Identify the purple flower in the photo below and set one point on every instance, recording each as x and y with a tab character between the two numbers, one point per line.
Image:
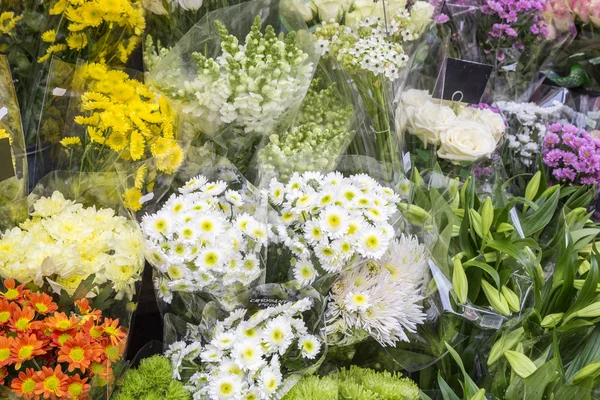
569	158
564	174
555	128
441	19
551	140
552	158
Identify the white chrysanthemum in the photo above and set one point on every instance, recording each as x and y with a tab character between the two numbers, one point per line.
309	346
305	272
248	354
224	340
156	226
313	233
225	387
304	202
372	243
193	184
278	335
335	221
406	260
270	379
211	258
211	354
357	301
214	188
234	198
276	192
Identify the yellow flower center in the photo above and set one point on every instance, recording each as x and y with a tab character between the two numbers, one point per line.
207	226
211	259
11	294
308	346
75	389
41	307
63	325
334	220
372	242
4	316
226	388
359	299
25	352
28	385
51	383
77	354
4	354
22	324
62	339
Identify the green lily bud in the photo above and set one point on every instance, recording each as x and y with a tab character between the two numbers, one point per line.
487	216
463	192
520	363
511	298
476	222
459	281
459	212
591	311
506	342
480	395
455	230
495	298
505	227
414	214
551	320
590	370
533	186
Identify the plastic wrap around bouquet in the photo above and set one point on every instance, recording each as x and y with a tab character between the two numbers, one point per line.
71	272
235	79
208	241
102	119
441	117
258	350
13	167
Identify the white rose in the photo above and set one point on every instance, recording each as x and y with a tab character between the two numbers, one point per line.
415	97
486	117
331	9
421	16
466	141
429	121
391	8
190	5
304	8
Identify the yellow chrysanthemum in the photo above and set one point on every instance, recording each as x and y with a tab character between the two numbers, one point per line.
8	22
91	13
71	141
140	176
137	146
171	163
58	8
162	147
57	48
95	135
111	6
132	198
116	121
77	41
49	36
74	15
117	141
123	92
96	71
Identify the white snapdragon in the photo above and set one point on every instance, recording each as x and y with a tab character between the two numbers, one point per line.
248	364
65	243
204	240
331	218
381	299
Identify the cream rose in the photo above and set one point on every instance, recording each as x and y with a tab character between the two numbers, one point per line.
304	8
466	141
429	121
492	120
421	17
331	9
415	98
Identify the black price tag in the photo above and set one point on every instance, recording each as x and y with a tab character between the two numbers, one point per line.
7	169
465	81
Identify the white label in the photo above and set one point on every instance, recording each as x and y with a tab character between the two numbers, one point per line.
59	91
517	224
146	198
3	112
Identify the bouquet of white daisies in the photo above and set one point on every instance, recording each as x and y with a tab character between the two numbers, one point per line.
207	238
251	353
328	222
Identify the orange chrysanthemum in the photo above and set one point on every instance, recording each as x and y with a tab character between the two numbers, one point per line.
3	374
113	330
102	371
94	331
26	348
77	388
113	352
51	383
6	310
24	385
42	303
61	322
13	293
77	352
85	308
22	320
5	350
58	338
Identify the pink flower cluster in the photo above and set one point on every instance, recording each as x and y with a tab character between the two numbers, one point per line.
518	21
563	14
572	155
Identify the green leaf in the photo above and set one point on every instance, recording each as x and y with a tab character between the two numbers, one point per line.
486	268
537	220
587	294
588	354
447	392
536	383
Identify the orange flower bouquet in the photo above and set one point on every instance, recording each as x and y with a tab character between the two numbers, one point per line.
53	352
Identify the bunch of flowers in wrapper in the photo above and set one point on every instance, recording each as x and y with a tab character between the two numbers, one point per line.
331	220
243	93
45	353
374	54
246	358
205	240
381	299
64	244
458	133
572	155
105	31
125	123
315	142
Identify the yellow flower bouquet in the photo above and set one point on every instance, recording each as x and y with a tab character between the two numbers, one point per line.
105	31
